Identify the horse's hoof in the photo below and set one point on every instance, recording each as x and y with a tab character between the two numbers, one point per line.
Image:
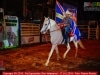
64	56
58	58
75	56
84	48
46	64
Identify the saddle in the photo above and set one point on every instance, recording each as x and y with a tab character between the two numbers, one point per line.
71	33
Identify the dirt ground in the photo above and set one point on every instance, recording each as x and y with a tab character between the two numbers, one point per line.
33	57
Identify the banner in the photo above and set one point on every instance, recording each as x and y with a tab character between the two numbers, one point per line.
62	8
60	11
11	31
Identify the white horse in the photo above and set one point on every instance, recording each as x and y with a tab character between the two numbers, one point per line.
57	38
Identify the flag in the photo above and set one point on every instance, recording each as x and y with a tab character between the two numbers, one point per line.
75	30
74	17
60	11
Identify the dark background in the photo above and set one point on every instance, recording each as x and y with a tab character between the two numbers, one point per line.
15	7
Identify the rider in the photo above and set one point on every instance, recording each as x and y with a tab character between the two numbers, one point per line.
66	29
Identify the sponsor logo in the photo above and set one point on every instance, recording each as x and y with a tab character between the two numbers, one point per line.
91	6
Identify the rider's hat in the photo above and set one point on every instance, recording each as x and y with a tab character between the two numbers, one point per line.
68	12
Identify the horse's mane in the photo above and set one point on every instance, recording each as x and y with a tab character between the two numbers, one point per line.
53	21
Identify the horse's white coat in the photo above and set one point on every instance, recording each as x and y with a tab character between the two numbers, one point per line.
57	38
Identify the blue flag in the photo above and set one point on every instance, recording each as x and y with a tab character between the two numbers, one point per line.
76	31
60	11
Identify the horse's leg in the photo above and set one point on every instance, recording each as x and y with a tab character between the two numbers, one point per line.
57	52
68	48
52	49
81	44
76	46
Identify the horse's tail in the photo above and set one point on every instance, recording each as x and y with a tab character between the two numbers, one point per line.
81	44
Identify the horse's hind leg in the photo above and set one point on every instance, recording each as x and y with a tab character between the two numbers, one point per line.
57	52
52	49
76	46
81	44
68	48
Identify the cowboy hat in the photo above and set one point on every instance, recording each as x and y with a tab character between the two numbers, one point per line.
68	12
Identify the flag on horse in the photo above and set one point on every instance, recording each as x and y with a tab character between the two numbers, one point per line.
60	12
75	30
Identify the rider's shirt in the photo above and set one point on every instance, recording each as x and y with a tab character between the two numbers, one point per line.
67	21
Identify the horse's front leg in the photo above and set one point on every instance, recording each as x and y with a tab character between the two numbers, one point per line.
52	49
68	48
57	52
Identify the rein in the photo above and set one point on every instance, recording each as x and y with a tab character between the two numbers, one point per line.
54	30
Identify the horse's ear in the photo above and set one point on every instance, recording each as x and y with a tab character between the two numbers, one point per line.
48	17
44	17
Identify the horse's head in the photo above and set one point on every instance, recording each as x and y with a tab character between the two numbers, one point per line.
46	25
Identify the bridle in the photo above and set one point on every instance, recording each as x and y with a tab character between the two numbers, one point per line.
50	26
47	25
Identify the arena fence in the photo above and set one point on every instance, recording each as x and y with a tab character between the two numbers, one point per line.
30	32
90	31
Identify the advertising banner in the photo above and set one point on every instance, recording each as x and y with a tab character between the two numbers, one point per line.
11	31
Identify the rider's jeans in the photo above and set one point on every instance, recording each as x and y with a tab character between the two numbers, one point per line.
65	33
